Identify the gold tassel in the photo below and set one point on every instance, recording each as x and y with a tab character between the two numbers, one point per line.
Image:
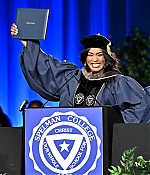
108	48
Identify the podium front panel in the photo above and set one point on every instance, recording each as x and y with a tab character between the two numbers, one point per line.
65	141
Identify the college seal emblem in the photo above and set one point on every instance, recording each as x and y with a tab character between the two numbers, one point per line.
64	144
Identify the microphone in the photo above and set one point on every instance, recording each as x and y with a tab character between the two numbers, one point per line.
76	73
23	105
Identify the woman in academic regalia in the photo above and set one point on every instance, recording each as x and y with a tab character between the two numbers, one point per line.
98	83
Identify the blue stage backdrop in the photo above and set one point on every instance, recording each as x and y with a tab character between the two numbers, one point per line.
69	21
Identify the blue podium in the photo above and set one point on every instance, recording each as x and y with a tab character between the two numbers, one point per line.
68	141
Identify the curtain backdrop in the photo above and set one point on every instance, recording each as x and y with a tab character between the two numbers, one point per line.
69	21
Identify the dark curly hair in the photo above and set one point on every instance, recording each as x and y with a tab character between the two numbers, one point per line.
35	104
111	62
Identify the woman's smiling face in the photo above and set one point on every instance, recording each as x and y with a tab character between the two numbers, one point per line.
95	59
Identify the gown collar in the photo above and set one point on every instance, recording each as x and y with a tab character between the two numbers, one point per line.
99	75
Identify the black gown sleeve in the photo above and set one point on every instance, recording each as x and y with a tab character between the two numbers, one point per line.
44	74
132	99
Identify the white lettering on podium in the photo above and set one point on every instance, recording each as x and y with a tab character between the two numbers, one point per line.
83	125
50	155
63	130
46	125
79	154
83	146
77	158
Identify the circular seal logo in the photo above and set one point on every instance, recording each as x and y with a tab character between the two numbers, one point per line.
90	100
79	98
64	143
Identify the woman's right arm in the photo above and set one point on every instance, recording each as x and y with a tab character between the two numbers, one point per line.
43	72
14	31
